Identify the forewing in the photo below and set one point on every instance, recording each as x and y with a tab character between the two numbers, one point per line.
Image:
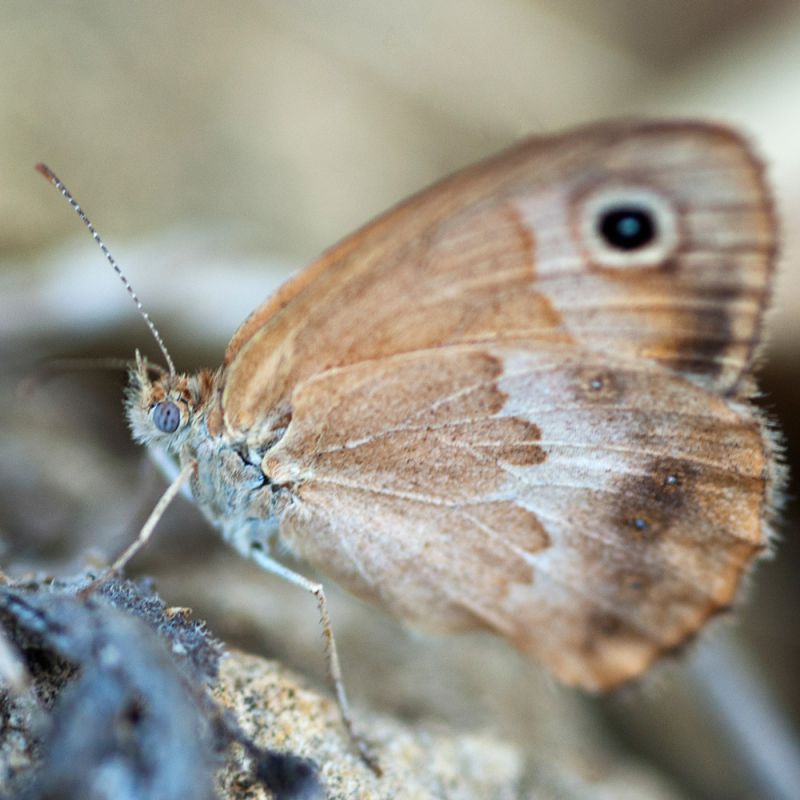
510	249
595	511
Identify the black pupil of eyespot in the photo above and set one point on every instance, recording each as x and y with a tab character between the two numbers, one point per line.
166	417
627	227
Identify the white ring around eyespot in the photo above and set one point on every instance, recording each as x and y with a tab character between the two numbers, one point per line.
599	201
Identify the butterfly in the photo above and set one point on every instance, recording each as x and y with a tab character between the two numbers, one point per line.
518	402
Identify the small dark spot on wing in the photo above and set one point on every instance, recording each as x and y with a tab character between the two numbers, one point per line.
597	386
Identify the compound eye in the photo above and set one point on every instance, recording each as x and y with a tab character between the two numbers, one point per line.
166	416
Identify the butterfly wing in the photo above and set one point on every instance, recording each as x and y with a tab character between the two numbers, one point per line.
594	511
509	248
488	416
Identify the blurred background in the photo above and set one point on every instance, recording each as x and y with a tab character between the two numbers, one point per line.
217	147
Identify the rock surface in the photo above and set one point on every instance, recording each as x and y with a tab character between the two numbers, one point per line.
281	711
115	696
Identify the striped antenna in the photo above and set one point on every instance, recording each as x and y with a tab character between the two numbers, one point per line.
53	178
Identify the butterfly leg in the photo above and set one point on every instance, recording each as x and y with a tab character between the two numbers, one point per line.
145	533
258	554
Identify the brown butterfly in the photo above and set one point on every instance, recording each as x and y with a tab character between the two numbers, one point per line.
517	402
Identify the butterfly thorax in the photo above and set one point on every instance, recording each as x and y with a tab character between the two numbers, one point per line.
178	414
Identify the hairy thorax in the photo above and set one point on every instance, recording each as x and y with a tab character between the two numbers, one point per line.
231	490
177	415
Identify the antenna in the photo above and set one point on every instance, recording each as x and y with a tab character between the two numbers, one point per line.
53	178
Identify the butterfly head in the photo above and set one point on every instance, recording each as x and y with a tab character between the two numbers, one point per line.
163	407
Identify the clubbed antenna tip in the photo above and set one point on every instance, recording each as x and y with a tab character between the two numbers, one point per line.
53	178
43	169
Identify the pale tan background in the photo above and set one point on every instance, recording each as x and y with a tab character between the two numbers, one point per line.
219	145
